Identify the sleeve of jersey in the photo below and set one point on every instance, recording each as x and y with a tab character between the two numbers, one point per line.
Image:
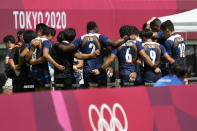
168	45
163	50
115	51
139	46
77	43
161	35
28	46
103	39
46	44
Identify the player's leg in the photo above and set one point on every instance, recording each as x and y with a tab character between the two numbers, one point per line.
89	80
101	80
43	80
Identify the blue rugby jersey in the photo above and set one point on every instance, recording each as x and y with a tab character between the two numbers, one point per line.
127	55
175	47
154	51
87	44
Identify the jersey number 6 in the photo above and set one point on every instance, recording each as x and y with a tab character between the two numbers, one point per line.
128	56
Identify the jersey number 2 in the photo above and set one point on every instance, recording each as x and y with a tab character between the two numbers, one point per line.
93	47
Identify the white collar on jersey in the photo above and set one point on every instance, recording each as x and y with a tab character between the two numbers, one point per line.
172	37
149	43
64	41
90	34
128	43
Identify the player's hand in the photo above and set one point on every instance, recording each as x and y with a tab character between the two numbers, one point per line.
96	53
149	21
61	67
76	69
35	43
157	70
110	71
17	67
132	76
32	61
96	72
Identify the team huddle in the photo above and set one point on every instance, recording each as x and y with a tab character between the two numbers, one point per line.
143	56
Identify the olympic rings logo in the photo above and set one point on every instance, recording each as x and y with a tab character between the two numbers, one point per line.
102	122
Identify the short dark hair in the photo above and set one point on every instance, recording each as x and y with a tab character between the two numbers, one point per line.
70	34
179	69
52	31
91	25
40	27
167	25
125	30
49	31
61	36
8	38
155	22
29	35
134	30
148	34
21	31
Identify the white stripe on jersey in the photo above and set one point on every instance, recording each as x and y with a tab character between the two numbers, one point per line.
128	43
171	38
41	38
148	43
90	34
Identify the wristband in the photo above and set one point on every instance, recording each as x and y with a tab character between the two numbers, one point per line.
126	39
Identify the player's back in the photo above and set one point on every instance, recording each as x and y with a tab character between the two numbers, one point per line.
127	56
90	43
154	51
175	46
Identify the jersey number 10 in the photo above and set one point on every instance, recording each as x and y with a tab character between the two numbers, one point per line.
182	49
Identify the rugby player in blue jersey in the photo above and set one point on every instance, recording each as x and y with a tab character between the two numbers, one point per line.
154	24
40	59
66	77
87	44
175	44
127	55
155	51
39	31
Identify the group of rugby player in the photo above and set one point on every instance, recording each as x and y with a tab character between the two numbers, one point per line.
144	56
